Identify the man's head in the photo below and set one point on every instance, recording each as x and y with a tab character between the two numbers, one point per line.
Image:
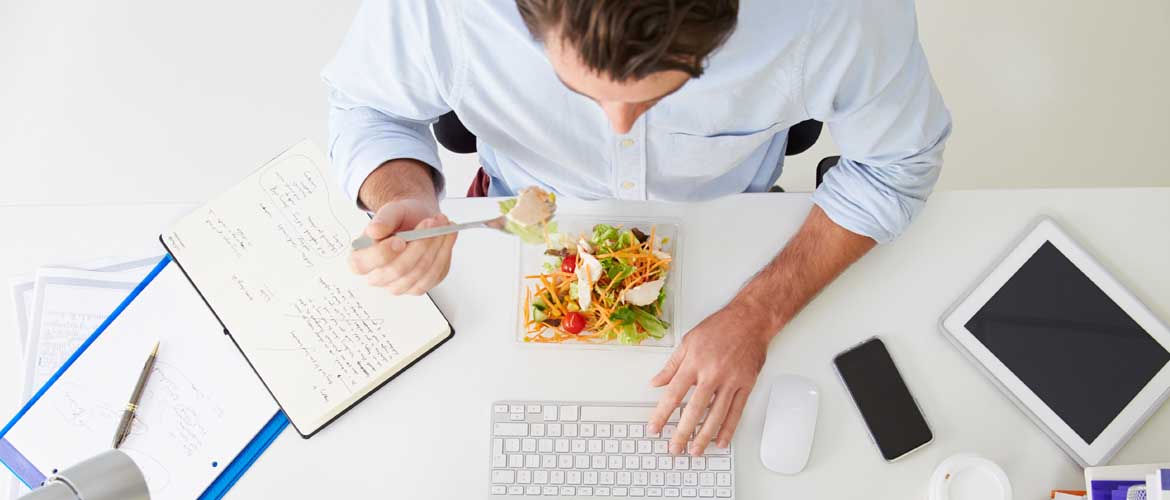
628	54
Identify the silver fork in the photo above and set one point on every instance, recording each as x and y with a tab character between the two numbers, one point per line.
497	223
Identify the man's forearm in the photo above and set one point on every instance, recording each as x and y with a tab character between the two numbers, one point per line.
819	252
396	180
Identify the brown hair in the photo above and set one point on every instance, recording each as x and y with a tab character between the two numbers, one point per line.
629	39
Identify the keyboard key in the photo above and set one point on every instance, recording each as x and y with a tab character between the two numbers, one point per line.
620	492
637	430
623	478
637	492
632	463
515	461
549	491
657	478
598	462
528	445
500	408
590	476
516	408
577	445
671	492
665	463
570	430
601	491
568	491
689	493
537	430
715	450
556	477
615	462
594	446
524	476
553	430
515	490
603	430
531	461
585	491
545	445
628	446
723	479
533	408
574	476
540	477
580	462
516	417
620	430
562	445
512	445
719	463
587	430
510	429
653	491
607	477
548	461
642	478
499	461
707	479
682	463
503	476
611	446
723	492
569	413
690	479
550	413
706	493
661	447
649	463
673	479
668	431
644	447
698	463
500	489
565	461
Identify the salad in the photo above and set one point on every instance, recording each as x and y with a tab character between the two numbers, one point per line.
600	287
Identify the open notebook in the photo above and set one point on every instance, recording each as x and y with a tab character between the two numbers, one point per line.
270	259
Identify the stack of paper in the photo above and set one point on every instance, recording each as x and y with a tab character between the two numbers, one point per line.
57	306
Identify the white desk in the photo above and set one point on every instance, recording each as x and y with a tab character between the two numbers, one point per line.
425	435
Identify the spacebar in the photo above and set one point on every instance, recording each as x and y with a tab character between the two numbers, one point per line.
639	414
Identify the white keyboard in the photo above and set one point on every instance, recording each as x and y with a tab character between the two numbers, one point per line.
543	449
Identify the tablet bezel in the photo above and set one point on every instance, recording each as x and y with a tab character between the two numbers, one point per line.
1139	408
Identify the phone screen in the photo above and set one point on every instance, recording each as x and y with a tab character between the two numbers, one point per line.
893	417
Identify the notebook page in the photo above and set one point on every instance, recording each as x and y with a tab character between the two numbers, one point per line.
270	256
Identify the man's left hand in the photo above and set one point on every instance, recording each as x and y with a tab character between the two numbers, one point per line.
721	358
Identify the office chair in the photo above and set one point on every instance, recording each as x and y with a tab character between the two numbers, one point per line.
455	137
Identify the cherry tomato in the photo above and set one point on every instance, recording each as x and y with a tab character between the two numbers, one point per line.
569	264
573	322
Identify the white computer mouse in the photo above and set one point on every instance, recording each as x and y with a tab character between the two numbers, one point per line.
789	424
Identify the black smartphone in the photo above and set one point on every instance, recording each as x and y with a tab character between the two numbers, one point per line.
891	413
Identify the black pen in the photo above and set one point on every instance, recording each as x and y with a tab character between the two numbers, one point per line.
132	406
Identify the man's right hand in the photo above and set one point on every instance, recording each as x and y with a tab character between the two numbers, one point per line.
398	266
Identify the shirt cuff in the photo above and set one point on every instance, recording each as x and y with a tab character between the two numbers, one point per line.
857	200
371	155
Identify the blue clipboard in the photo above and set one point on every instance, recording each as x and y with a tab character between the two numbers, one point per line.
28	474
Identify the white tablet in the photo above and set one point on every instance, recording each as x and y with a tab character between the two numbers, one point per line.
1068	343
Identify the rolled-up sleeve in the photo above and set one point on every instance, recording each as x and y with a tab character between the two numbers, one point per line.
394	75
867	78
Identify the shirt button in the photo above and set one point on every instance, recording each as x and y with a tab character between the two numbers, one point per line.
627	143
628	185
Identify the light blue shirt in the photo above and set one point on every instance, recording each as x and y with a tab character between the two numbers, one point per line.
856	65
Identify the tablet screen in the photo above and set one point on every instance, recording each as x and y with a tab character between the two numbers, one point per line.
1065	339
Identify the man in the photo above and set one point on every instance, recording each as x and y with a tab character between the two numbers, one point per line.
644	99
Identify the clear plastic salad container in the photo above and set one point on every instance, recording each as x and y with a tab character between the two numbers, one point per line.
533	262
